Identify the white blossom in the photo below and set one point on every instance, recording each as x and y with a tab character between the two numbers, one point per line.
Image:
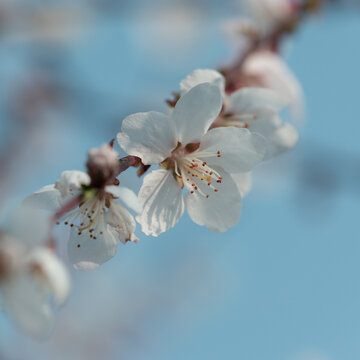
97	224
254	108
269	70
266	15
191	157
30	272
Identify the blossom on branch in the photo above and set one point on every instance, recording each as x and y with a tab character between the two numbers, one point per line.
267	69
265	16
30	272
191	158
97	221
253	108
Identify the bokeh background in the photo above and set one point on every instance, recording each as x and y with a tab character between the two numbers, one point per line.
281	285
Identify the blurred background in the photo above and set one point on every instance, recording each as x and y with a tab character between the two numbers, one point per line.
281	285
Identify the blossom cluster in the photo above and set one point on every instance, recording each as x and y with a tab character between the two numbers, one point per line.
199	156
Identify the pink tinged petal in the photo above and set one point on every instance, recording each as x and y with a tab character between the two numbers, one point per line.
121	222
126	196
26	302
87	253
150	136
251	101
51	273
162	202
243	182
47	198
220	210
29	227
239	149
196	111
280	136
201	76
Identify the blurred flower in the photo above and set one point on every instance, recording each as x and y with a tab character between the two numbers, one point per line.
29	272
264	16
267	69
97	224
253	108
190	157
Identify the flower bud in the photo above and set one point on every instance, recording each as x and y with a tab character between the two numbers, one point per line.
102	165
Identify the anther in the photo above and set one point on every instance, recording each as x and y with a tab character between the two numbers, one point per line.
216	190
65	222
78	245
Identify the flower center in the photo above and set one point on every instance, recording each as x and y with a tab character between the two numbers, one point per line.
88	218
192	171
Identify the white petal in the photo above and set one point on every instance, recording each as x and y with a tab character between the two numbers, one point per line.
201	76
25	301
162	202
47	198
29	226
275	74
218	212
240	149
195	112
280	136
243	182
252	100
70	181
127	196
150	136
122	222
53	273
92	252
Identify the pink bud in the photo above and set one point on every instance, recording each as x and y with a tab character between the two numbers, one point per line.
102	165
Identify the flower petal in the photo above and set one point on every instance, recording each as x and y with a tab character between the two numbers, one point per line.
252	100
94	251
122	222
240	149
243	182
29	226
201	76
47	198
162	202
70	181
150	136
52	274
127	196
195	112
276	75
25	301
280	136
221	210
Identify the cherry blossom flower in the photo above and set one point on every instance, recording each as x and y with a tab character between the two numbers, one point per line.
264	16
97	224
30	272
266	69
253	108
190	157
